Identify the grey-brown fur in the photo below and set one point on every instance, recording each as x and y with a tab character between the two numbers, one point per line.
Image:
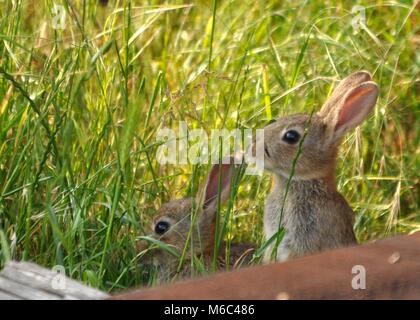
201	244
315	217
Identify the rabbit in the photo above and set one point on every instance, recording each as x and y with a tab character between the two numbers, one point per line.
315	216
172	225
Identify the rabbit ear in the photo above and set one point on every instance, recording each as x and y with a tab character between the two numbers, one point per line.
343	87
353	109
211	192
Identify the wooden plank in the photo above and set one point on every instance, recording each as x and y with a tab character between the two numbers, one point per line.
25	292
7	296
392	272
36	277
35	281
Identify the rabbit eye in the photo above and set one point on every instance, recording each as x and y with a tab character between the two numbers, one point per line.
161	227
291	136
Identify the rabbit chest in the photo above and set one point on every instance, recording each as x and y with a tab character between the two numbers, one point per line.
313	217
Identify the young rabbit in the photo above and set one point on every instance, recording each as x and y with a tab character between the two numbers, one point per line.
172	225
315	216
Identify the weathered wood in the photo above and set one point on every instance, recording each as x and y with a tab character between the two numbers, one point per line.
392	272
25	292
7	296
28	281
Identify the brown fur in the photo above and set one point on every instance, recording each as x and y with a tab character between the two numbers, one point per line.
201	244
315	216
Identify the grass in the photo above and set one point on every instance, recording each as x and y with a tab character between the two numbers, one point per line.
80	108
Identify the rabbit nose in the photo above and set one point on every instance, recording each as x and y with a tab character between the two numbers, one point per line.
142	245
266	151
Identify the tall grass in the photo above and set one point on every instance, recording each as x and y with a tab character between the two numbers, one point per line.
80	108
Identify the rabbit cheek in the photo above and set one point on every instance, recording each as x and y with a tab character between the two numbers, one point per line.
161	258
284	156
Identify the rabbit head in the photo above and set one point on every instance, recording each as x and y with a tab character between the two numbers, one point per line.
348	106
175	219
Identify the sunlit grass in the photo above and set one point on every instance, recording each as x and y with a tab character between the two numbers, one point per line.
80	108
